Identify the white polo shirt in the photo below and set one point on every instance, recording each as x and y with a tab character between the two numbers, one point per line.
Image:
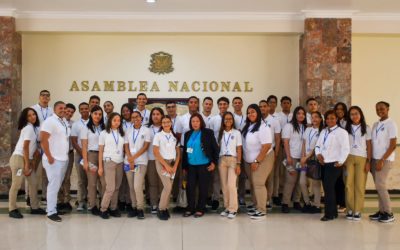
93	138
153	131
284	118
113	144
145	115
229	142
382	133
215	124
295	139
175	122
59	137
167	143
183	125
240	121
126	125
253	142
274	125
334	146
43	113
136	139
207	119
358	142
31	134
77	128
310	138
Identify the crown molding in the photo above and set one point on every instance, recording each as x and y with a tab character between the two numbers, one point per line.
7	12
329	13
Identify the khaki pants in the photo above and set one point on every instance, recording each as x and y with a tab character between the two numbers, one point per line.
258	179
228	177
167	183
356	179
17	163
113	176
136	185
380	179
316	189
82	179
154	182
64	193
123	195
42	176
93	178
291	181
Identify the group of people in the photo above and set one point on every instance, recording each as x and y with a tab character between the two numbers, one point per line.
125	160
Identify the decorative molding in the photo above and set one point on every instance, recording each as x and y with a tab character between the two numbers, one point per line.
329	13
7	12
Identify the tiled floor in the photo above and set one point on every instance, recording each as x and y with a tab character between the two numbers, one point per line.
293	231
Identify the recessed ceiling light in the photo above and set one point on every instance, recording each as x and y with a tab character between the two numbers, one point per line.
151	1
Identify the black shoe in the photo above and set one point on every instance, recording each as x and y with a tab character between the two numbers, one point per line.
15	214
55	218
104	215
178	209
162	215
277	201
375	216
315	210
38	211
61	212
297	206
209	202
167	211
306	209
95	211
386	218
28	201
67	207
326	218
132	212
115	213
121	206
214	205
285	209
140	214
60	206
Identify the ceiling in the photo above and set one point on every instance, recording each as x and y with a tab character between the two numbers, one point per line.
367	6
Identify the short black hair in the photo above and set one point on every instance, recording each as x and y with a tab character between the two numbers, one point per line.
170	102
81	104
310	99
44	91
286	98
237	98
94	97
223	99
109	102
70	106
263	100
384	103
272	97
208	98
193	97
58	103
143	94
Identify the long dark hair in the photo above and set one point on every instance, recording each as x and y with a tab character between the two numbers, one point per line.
294	121
202	123
151	115
344	106
109	121
362	121
321	124
129	107
172	127
23	118
258	121
90	123
222	128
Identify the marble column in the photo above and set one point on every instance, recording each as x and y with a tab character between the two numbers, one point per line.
10	96
325	61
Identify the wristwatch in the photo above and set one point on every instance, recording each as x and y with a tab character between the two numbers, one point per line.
256	161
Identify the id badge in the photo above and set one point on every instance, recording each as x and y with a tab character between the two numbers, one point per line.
107	159
19	172
127	167
189	150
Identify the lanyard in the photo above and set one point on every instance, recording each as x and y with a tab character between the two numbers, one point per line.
301	131
168	137
36	133
83	122
310	137
227	141
192	140
41	111
135	137
64	125
379	129
154	132
353	132
116	139
327	134
125	124
97	130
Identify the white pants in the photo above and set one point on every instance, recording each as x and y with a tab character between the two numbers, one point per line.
55	173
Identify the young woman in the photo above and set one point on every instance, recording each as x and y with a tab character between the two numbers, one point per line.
153	180
341	112
357	163
126	112
137	141
111	158
22	165
332	150
167	152
292	136
259	159
90	152
384	139
230	141
200	156
310	138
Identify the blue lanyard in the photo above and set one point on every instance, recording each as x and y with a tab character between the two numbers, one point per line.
168	137
97	130
327	134
227	141
135	137
301	131
241	121
41	111
116	139
192	140
64	125
379	129
311	137
353	132
154	132
83	123
126	124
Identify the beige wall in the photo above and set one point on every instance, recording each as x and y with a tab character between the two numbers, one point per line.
53	60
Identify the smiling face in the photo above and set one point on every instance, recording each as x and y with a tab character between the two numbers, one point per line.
93	102
171	109
31	117
237	105
312	106
228	121
136	119
108	107
331	120
196	124
286	105
115	122
300	116
166	124
252	115
68	113
272	103
44	99
156	117
355	116
84	111
223	107
316	120
340	111
382	110
207	106
96	116
126	113
59	110
141	101
264	109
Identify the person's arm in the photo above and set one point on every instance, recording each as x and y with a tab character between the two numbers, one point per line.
44	143
178	158
27	168
215	150
142	150
85	154
277	144
317	149
369	156
344	149
75	145
389	151
238	161
157	155
101	168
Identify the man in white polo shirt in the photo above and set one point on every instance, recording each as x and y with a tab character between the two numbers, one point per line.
141	101
54	136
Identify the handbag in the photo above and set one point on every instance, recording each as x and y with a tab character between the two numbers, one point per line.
313	170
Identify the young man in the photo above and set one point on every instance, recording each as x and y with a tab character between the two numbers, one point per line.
208	104
141	101
54	136
285	116
275	127
312	106
108	109
64	196
272	101
76	143
94	100
170	106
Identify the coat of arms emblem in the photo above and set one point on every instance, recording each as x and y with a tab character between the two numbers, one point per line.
161	63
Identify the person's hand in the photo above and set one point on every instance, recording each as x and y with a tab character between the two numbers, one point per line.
100	171
36	155
50	159
27	170
379	165
303	161
321	159
237	170
338	165
85	166
367	167
131	160
211	167
254	166
289	161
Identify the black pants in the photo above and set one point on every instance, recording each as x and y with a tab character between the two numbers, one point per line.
340	191
197	176
330	175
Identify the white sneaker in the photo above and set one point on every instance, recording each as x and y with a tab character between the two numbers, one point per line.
258	215
81	206
232	215
154	210
224	213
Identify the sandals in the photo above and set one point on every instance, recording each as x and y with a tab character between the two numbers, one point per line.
198	214
188	214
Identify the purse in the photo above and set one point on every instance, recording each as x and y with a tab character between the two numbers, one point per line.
314	170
